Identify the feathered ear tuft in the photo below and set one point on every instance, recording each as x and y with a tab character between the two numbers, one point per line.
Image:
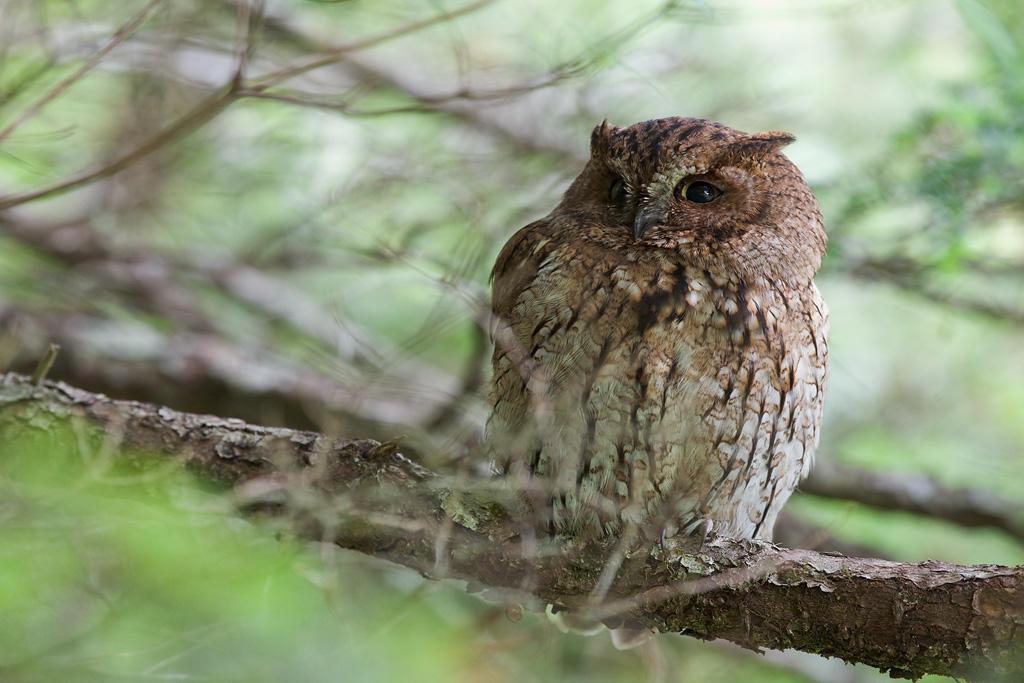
760	144
600	138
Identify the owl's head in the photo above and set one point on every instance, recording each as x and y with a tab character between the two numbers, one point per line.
704	190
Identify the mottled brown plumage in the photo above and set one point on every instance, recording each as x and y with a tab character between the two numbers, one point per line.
660	346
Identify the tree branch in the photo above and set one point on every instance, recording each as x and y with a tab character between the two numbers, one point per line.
202	112
913	276
56	91
212	372
919	494
908	619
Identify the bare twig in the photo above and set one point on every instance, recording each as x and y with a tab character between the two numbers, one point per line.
193	119
332	55
121	35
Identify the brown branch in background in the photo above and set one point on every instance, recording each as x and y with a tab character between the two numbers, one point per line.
121	35
338	104
154	278
209	373
916	493
912	276
907	619
145	274
247	21
521	138
479	119
332	54
202	112
793	532
424	103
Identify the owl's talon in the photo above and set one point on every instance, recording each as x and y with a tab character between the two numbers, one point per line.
703	530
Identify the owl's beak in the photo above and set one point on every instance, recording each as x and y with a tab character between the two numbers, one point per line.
645	220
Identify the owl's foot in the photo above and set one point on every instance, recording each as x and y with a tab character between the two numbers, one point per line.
690	539
702	531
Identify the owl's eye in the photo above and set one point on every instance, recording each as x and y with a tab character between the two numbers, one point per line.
699	192
617	191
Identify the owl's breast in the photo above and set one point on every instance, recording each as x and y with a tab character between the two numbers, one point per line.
647	386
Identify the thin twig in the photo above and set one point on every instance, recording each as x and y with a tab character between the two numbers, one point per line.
332	55
193	119
119	37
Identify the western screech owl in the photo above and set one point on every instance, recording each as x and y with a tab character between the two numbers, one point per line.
660	352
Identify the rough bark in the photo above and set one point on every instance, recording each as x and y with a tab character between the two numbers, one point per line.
907	619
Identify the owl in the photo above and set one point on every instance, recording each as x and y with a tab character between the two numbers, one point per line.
660	353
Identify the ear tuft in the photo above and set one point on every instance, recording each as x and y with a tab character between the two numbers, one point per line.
778	138
600	138
760	144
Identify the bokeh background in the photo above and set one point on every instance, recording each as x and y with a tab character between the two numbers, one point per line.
287	211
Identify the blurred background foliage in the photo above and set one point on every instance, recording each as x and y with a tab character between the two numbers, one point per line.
305	241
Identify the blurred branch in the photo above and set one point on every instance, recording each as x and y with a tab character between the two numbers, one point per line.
907	619
146	274
331	55
56	91
202	112
918	494
793	532
240	87
472	380
207	372
911	276
492	124
155	278
520	137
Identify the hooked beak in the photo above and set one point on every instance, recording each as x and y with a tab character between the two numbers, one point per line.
645	220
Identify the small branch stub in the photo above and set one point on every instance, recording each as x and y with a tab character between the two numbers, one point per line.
45	363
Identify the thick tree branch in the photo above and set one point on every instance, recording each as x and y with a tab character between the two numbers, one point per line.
908	619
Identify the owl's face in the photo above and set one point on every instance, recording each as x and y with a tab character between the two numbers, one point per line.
695	186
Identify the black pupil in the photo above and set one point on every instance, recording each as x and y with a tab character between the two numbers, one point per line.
701	192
